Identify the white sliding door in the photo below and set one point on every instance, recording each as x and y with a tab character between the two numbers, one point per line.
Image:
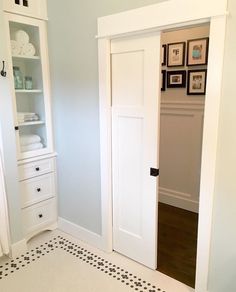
135	138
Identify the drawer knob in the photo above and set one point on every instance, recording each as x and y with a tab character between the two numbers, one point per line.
40	215
38	190
37	168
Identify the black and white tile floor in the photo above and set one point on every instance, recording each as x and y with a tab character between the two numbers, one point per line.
128	279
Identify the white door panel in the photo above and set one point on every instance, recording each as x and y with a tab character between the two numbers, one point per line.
135	132
128	91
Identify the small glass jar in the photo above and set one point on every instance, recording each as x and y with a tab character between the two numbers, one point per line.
18	78
28	83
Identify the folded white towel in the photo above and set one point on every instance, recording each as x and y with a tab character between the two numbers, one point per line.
31	119
21	37
31	147
28	50
29	139
19	114
27	117
15	48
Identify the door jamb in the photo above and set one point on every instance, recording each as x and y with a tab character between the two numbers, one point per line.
209	145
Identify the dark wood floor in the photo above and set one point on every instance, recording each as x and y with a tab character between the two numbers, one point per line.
177	243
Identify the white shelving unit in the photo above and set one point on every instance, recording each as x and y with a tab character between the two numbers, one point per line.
32	114
37	99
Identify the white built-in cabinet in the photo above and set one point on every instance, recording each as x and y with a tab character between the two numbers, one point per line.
28	68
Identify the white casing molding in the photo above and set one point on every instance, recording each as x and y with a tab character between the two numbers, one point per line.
81	233
209	148
104	50
18	248
159	17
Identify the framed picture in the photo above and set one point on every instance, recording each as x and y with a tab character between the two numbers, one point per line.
163	80
163	55
176	54
176	79
197	52
197	82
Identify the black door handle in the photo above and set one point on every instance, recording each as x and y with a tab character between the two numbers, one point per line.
3	72
154	172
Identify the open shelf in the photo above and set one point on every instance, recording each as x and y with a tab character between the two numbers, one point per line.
31	123
26	57
30	67
28	91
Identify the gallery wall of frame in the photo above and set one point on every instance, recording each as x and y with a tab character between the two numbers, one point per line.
184	60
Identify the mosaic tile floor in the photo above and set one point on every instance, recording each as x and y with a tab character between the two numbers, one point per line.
57	262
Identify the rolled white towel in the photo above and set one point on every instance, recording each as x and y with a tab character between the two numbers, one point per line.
31	147
22	37
28	50
15	48
29	139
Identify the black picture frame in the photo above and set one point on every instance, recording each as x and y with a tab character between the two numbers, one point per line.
163	80
197	52
197	85
176	79
176	54
163	55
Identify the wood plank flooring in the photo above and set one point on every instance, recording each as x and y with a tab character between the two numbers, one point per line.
177	243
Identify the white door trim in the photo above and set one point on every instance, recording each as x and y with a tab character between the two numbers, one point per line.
158	17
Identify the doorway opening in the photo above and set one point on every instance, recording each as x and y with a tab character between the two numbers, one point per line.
184	75
149	20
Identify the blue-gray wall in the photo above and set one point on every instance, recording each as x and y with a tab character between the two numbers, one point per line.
74	76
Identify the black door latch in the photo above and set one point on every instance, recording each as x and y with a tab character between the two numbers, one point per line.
154	172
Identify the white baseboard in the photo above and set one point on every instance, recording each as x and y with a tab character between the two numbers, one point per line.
81	233
18	248
184	202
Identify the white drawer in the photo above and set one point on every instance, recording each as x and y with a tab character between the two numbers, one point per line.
38	216
36	168
37	189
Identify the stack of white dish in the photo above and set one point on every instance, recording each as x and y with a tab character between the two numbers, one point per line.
27	117
21	45
30	143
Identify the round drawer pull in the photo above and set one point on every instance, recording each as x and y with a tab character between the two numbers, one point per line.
37	168
38	190
40	215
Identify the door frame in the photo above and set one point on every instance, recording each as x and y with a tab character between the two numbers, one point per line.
159	17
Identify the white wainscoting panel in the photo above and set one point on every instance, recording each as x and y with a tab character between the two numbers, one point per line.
180	153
